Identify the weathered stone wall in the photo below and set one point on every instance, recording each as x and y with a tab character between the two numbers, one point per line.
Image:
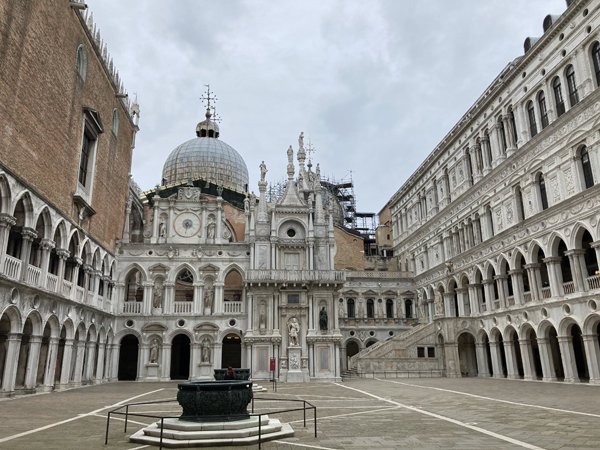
350	251
41	116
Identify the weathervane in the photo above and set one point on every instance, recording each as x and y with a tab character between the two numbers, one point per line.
310	150
208	97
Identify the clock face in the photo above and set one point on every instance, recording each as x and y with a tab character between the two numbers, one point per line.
187	224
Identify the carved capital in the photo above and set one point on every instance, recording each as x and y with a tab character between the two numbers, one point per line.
29	234
47	244
6	220
63	253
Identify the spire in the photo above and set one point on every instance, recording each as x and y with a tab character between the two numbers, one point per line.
208	127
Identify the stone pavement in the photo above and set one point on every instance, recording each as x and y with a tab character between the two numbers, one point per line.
427	413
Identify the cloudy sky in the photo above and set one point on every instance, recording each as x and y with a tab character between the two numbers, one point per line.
375	84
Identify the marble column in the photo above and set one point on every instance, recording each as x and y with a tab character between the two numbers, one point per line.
511	360
35	343
527	359
548	370
568	359
555	276
517	285
575	260
482	360
6	222
13	343
65	370
50	366
592	354
496	360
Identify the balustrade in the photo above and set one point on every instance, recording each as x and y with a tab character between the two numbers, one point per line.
51	282
67	287
79	294
593	282
183	307
33	275
546	292
569	288
527	296
296	275
12	267
233	307
511	300
132	307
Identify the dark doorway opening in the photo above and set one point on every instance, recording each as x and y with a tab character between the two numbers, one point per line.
128	358
180	357
232	351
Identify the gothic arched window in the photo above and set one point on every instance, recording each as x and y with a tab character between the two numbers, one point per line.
588	176
558	97
543	109
596	60
543	194
572	85
531	114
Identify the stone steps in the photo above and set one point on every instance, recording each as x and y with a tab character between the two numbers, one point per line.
180	434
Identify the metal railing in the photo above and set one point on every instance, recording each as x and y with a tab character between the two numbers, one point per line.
118	412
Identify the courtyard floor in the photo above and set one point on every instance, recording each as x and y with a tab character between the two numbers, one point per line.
426	413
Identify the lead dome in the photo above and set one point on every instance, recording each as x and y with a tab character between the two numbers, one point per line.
208	158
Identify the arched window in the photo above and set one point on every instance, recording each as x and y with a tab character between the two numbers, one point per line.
513	123
81	62
596	60
488	147
531	114
558	97
572	85
520	206
351	310
543	194
389	308
370	309
115	122
469	174
587	168
543	109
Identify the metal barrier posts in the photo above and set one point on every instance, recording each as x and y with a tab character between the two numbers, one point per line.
162	422
107	425
126	417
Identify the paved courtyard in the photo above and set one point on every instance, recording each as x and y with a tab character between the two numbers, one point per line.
358	414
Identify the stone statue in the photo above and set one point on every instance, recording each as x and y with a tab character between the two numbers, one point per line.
247	205
300	140
157	301
294	363
439	304
263	171
154	351
323	319
294	329
205	356
208	298
263	319
421	310
162	229
341	310
290	154
211	230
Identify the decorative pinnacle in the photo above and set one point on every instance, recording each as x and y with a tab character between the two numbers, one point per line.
208	97
310	150
215	116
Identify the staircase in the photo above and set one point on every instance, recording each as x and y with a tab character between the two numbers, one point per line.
398	353
349	374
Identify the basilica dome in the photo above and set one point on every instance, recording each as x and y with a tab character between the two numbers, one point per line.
208	158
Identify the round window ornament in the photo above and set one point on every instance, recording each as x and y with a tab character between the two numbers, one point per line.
371	333
129	323
495	321
544	313
391	333
592	305
14	296
566	310
232	322
508	318
525	316
291	232
181	323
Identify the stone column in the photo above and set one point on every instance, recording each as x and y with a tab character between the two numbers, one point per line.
534	280
87	271
510	138
575	260
511	360
100	366
147	287
96	276
592	351
114	362
555	276
219	224
218	306
476	165
29	235
568	359
46	245
198	298
35	342
50	367
517	284
488	288
546	359
218	354
77	371
78	262
448	245
482	360
496	360
495	145
91	359
473	298
527	359
13	343
195	349
65	370
462	295
6	222
485	150
502	289
168	297
449	304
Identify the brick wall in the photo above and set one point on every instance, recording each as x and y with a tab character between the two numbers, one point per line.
350	251
41	116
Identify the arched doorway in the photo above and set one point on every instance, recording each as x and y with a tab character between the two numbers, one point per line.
467	355
488	352
24	355
128	358
579	353
43	358
232	351
556	355
535	354
180	357
351	349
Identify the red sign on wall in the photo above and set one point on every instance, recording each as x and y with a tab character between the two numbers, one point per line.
272	368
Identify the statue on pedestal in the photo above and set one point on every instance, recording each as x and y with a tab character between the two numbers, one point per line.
205	354
294	329
208	298
323	319
157	301
211	230
263	171
162	230
154	351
